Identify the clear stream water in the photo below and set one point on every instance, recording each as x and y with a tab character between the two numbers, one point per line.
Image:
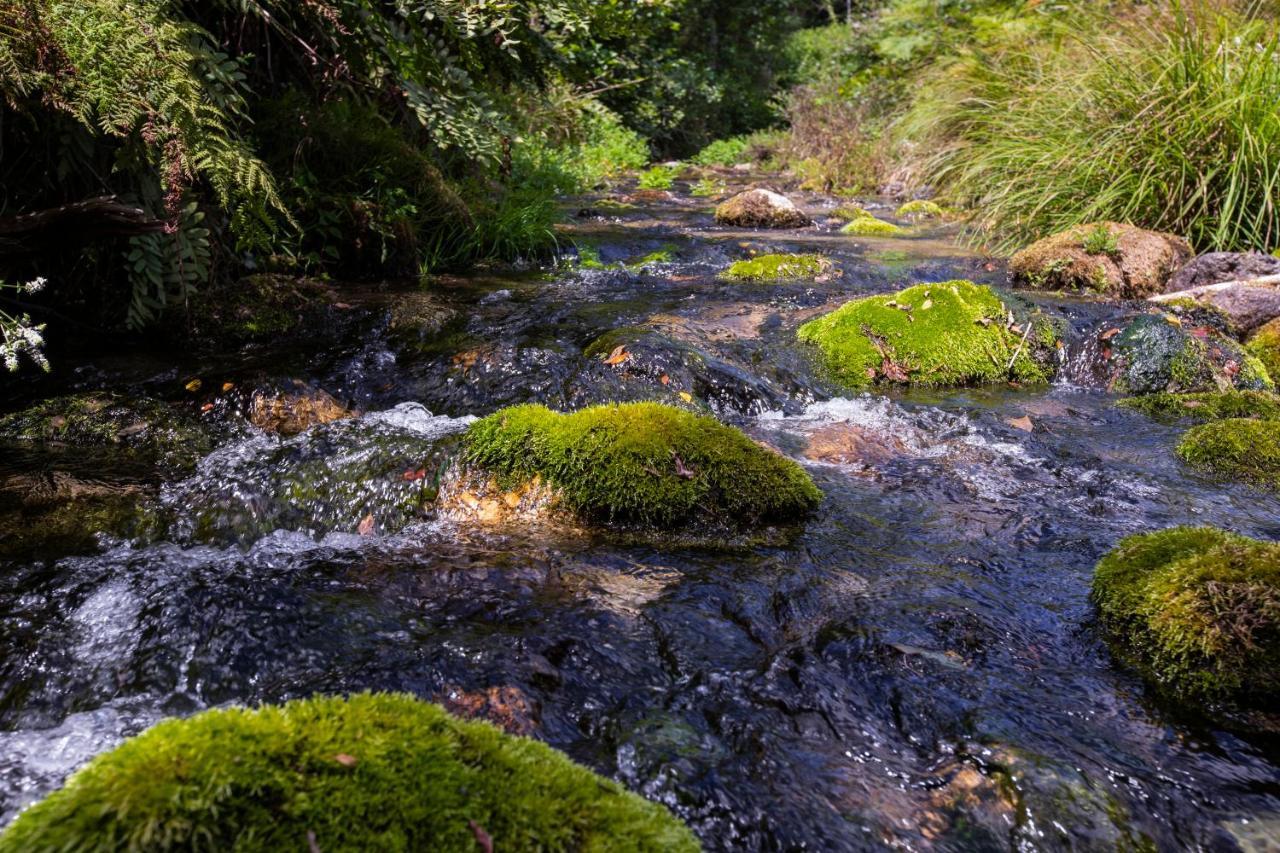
917	667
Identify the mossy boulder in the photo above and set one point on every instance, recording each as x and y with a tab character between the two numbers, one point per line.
761	208
372	772
1197	612
1157	353
869	226
952	333
1210	406
259	309
777	268
920	209
53	514
643	462
1241	449
1104	257
848	213
150	430
1264	345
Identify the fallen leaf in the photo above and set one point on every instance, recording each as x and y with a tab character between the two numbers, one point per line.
926	305
411	475
1108	334
343	305
1202	332
483	838
619	355
1023	423
686	396
346	760
893	371
983	321
193	386
665	379
683	471
1231	368
366	525
207	407
872	373
228	386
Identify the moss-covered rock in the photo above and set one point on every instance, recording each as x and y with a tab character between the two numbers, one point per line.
920	209
1197	612
643	462
1264	345
151	430
848	213
777	268
761	208
952	333
1103	257
1155	353
372	772
53	515
869	226
1237	449
264	308
1211	406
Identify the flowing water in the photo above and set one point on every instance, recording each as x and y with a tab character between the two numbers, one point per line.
916	667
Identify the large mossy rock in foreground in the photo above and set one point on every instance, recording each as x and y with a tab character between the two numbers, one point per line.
1104	257
952	333
1197	612
1236	449
761	209
643	462
373	772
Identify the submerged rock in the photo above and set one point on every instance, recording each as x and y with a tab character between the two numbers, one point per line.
951	333
373	771
643	462
55	514
760	208
1237	449
294	408
1153	354
1216	267
1105	257
153	431
259	309
1197	612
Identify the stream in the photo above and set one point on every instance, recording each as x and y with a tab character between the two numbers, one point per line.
917	667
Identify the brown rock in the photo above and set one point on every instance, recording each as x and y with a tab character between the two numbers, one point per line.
1135	264
293	410
509	708
1248	305
761	208
1216	267
849	444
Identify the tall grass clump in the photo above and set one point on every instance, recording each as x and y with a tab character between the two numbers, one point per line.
1162	117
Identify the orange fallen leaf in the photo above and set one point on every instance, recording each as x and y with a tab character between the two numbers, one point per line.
1023	423
1109	334
228	386
366	525
411	475
207	407
619	355
193	386
665	379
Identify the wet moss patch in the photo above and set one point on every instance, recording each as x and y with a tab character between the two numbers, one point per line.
952	333
643	462
1211	406
869	226
1197	612
1236	449
1264	345
920	209
777	268
372	772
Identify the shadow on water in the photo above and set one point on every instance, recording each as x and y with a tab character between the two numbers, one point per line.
916	668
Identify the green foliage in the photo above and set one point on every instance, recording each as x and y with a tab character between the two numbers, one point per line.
869	226
643	462
1100	240
1236	449
658	178
1210	406
375	771
952	333
777	268
1039	134
725	152
1196	610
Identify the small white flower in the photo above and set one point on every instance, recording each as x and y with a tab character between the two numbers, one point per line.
10	360
36	285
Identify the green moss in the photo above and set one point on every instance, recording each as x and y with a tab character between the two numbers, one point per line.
1210	406
658	178
952	333
1237	449
920	209
643	462
1101	241
71	523
589	259
1160	353
777	267
869	226
372	772
1264	345
664	255
150	429
850	213
1196	611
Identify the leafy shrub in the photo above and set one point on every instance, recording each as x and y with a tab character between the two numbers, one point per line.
724	152
1166	121
658	178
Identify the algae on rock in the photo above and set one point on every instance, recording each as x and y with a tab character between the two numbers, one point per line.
643	462
1197	612
951	333
1154	354
373	771
777	268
